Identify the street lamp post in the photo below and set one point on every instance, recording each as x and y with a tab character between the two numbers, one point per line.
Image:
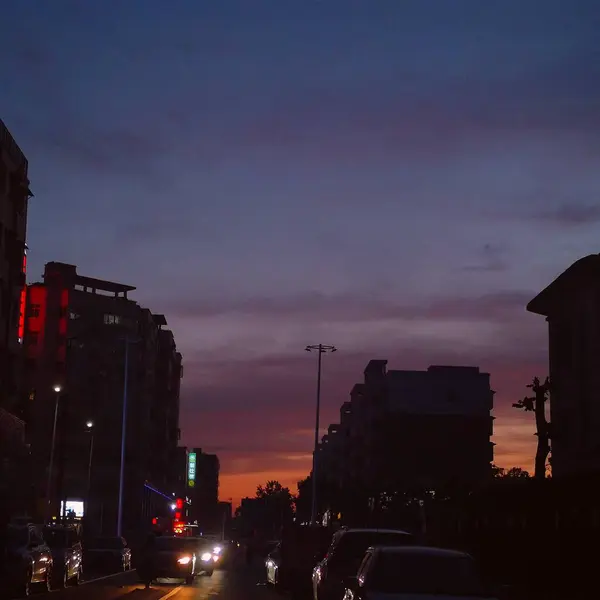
320	349
90	428
128	340
57	389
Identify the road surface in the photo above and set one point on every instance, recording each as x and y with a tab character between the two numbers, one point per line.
237	583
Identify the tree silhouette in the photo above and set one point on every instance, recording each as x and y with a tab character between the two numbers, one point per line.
497	471
273	488
537	405
277	503
516	473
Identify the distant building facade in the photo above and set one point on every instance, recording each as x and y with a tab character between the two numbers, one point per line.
419	429
80	334
226	518
571	305
14	198
202	488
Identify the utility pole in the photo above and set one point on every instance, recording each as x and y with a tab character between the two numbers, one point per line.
128	340
320	349
57	390
90	427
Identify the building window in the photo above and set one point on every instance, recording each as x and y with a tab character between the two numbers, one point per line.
112	319
34	310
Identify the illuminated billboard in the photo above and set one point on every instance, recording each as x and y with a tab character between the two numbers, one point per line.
76	506
191	471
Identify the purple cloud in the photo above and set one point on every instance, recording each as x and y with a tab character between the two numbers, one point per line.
569	215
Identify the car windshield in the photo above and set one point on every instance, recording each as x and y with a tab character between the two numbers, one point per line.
108	544
405	573
56	538
353	545
17	537
176	544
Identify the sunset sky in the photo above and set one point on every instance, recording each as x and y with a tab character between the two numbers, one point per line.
396	178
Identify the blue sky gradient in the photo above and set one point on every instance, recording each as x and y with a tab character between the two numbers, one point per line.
397	178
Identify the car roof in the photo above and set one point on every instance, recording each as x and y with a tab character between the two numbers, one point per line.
420	551
361	530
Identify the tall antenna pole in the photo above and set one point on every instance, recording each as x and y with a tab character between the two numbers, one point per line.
320	349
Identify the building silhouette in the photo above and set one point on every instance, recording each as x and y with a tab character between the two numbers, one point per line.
571	305
411	430
14	454
80	333
14	197
199	482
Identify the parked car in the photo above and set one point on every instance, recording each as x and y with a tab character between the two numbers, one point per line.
67	554
416	573
345	555
108	553
25	560
289	566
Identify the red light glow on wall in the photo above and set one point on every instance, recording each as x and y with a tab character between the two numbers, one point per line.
36	321
23	300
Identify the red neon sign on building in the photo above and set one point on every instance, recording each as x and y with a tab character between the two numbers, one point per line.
23	299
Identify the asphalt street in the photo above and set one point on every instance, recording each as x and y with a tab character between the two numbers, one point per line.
237	583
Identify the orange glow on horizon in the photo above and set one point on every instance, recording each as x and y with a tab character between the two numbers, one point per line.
514	436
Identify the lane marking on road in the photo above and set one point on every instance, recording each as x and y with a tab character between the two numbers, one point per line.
171	593
85	582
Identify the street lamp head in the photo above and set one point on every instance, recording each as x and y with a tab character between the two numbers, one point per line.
308	348
334	349
89	424
57	388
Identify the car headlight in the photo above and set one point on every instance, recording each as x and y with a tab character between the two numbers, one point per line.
217	549
206	556
184	560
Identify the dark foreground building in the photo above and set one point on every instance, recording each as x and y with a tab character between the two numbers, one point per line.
91	350
571	305
15	483
14	197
